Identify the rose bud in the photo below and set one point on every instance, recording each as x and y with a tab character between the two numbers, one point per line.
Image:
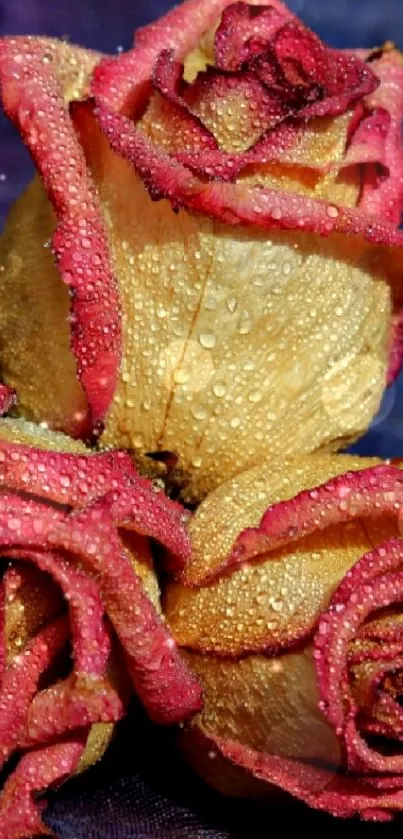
289	612
75	530
261	295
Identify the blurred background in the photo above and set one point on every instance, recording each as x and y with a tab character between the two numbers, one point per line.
132	791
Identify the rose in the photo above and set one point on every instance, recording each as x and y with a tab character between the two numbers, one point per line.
264	305
74	526
292	621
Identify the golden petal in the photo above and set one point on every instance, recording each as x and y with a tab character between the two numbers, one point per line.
28	433
140	555
277	599
221	376
266	701
33	600
268	704
36	358
99	738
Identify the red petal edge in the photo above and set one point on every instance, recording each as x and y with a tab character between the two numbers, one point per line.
383	196
61	512
33	101
36	772
122	84
20	683
376	491
375	582
75	480
236	203
396	347
162	680
321	789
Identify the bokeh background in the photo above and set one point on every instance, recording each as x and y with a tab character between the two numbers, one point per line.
142	790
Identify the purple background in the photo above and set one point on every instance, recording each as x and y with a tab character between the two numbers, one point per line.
142	790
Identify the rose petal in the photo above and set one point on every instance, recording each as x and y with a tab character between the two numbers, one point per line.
72	704
375	686
236	108
91	642
19	813
338	79
245	31
3	639
194	194
32	600
20	683
98	740
382	196
181	126
267	606
318	145
377	144
237	203
23	432
396	347
368	141
70	479
370	489
274	602
258	701
33	100
163	682
168	690
303	58
372	584
179	30
358	653
86	697
376	491
76	480
339	795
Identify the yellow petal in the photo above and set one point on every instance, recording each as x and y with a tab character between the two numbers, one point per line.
272	600
252	695
232	340
270	705
236	345
33	604
98	740
36	358
29	434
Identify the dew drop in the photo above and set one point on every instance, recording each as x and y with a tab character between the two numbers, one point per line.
332	212
232	304
219	390
254	396
199	412
207	340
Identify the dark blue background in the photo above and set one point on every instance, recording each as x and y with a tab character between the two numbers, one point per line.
142	790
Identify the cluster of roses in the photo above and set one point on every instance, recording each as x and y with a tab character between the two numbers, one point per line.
212	341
